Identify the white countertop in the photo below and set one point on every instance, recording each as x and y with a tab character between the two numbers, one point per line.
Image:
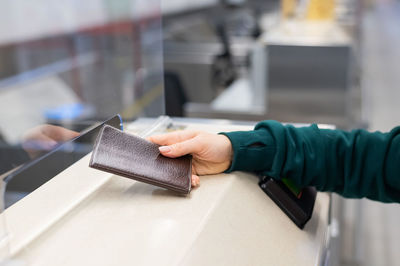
88	217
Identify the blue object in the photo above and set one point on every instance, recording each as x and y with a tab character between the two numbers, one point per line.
65	112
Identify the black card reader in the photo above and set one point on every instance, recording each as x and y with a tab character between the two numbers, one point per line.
297	204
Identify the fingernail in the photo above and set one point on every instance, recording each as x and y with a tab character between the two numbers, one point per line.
164	149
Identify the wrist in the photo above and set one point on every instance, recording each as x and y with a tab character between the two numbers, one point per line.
252	151
228	153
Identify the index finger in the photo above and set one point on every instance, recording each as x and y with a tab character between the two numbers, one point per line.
58	133
173	137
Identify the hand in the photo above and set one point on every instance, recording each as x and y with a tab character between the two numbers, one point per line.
44	138
212	154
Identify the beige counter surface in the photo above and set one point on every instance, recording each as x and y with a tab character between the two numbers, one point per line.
87	217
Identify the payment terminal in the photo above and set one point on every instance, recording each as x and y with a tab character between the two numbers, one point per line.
296	203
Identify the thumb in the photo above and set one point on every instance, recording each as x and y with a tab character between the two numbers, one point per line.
180	148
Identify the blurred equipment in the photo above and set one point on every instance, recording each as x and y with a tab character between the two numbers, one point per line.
223	69
217	59
309	72
286	60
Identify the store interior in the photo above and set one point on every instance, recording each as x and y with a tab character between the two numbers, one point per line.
76	64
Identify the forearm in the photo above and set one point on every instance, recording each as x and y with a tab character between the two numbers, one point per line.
354	164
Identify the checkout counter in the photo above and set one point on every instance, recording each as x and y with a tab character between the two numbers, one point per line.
109	61
83	216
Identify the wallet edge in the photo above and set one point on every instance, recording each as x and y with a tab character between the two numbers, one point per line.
115	171
118	172
96	145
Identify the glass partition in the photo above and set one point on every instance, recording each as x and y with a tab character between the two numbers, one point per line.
68	65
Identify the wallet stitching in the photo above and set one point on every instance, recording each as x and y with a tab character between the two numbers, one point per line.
130	175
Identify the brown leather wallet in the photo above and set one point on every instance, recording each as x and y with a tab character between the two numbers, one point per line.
130	156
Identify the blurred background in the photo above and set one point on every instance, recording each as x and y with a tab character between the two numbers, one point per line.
69	65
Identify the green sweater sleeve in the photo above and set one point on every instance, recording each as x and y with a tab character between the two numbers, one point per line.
354	164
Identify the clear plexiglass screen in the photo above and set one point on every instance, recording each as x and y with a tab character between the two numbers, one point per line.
67	65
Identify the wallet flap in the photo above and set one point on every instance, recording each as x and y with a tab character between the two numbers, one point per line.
130	156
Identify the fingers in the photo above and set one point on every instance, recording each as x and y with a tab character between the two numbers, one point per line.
173	137
58	133
35	146
195	180
43	143
181	148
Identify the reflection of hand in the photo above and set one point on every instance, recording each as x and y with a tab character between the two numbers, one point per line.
44	138
212	153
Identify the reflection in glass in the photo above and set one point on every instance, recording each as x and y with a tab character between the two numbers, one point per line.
76	63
